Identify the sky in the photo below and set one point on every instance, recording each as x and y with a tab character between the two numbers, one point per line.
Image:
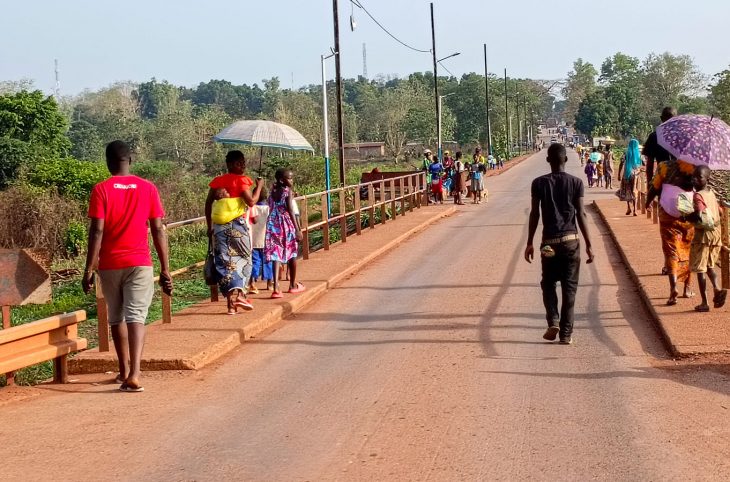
244	41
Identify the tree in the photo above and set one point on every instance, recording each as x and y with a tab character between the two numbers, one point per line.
86	143
115	112
13	153
667	77
34	118
720	95
152	94
622	76
596	115
580	84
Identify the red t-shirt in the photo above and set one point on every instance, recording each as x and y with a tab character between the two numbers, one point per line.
126	204
235	184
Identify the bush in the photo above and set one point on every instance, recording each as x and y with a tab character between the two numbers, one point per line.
72	178
13	154
33	217
75	238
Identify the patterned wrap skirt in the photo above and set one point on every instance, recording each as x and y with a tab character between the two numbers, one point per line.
232	251
676	237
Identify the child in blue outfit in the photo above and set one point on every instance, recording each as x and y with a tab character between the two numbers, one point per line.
262	269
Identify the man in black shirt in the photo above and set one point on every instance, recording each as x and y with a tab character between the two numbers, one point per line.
653	152
560	197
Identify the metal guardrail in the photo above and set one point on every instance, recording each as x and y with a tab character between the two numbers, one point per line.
405	192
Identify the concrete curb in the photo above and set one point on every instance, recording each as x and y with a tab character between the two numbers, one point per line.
94	362
643	294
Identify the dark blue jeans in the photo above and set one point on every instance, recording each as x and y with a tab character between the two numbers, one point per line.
564	267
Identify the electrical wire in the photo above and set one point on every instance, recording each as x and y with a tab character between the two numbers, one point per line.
447	70
358	4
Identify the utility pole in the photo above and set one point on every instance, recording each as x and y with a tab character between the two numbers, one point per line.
486	85
519	125
436	84
338	80
364	61
507	120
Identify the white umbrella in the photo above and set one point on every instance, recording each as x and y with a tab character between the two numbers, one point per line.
262	133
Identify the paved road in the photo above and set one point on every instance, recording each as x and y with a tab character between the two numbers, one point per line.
429	365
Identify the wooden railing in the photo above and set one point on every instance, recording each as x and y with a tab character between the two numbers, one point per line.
394	197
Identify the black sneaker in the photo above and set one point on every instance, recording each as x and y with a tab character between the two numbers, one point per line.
552	333
566	341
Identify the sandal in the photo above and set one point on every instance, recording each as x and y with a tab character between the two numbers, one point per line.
252	290
231	306
276	295
702	308
298	288
719	299
125	387
244	304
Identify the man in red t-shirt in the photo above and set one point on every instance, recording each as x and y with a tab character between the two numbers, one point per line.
120	209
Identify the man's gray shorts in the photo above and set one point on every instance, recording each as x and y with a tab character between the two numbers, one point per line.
128	293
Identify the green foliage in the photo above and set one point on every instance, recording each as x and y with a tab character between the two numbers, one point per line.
596	115
632	93
75	238
13	154
85	140
581	83
720	95
71	177
34	118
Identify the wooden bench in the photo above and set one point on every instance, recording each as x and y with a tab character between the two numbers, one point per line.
48	339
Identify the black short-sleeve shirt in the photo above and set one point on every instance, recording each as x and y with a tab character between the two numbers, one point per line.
654	154
559	194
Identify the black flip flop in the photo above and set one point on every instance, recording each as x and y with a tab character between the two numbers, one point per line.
671	302
124	387
719	299
702	309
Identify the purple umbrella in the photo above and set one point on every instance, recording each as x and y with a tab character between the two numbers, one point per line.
698	140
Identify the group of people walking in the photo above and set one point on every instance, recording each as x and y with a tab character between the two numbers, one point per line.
688	212
252	235
457	177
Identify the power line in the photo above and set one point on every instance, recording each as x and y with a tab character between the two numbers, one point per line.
447	70
358	4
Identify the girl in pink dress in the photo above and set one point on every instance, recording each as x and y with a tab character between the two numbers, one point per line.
283	233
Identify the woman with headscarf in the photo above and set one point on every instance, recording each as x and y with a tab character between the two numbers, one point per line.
671	179
628	174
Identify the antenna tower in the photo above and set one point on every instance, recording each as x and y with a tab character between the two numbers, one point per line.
57	89
364	61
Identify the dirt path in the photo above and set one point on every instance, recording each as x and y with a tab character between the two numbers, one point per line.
429	365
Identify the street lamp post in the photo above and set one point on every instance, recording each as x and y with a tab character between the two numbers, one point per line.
507	120
326	129
519	125
441	97
486	86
